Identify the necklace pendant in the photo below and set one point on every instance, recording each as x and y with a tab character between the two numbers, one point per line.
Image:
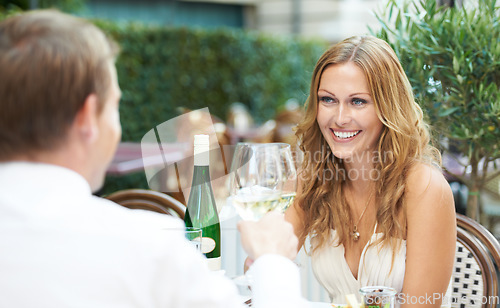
355	234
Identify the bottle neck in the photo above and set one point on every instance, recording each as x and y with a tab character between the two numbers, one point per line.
201	155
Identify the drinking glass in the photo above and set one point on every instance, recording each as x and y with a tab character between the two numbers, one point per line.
194	236
289	177
256	182
378	296
256	179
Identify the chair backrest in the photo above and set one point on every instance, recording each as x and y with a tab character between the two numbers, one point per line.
475	281
151	200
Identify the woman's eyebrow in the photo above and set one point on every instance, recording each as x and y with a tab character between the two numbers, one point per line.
360	93
326	92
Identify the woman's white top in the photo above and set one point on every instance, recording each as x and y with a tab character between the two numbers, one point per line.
333	273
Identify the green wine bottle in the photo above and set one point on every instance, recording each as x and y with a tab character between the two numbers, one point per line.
201	210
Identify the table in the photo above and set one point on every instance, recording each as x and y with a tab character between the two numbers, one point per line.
133	157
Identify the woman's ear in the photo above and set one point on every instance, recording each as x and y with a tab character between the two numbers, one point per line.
86	120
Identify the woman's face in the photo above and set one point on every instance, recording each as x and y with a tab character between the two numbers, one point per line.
346	113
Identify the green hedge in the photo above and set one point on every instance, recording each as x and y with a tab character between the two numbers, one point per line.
163	68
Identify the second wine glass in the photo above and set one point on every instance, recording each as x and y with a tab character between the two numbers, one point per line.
289	177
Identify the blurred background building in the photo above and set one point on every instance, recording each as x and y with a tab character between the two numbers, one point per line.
326	19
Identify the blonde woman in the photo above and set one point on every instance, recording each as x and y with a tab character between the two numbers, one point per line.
372	196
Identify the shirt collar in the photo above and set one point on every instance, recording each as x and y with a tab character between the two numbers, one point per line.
29	176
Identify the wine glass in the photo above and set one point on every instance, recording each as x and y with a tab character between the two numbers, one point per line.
289	177
256	179
255	183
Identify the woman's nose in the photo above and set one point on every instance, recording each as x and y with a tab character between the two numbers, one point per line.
343	116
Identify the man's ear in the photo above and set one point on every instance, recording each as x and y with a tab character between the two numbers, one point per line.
86	120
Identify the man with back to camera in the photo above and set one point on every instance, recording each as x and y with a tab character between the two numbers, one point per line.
62	247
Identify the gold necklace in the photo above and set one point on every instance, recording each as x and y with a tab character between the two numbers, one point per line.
355	233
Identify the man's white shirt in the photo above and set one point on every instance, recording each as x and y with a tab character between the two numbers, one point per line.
62	247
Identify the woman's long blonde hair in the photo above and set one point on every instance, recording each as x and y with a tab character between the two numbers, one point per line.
404	140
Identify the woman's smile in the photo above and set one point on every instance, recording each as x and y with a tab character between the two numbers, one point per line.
343	135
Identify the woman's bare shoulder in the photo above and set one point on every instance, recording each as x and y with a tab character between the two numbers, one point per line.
427	188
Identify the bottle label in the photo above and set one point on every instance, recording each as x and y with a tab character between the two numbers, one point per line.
207	244
214	264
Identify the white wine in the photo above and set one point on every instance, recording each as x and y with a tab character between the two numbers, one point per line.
201	209
285	201
252	203
254	209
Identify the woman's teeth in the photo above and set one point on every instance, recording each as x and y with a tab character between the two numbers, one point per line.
345	135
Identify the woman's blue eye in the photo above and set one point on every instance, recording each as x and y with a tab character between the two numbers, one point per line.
358	101
326	99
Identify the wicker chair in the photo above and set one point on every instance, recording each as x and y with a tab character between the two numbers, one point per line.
151	200
475	281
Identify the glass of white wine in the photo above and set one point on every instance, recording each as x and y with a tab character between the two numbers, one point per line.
289	177
256	179
255	183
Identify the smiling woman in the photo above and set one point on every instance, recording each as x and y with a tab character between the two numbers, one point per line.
371	195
